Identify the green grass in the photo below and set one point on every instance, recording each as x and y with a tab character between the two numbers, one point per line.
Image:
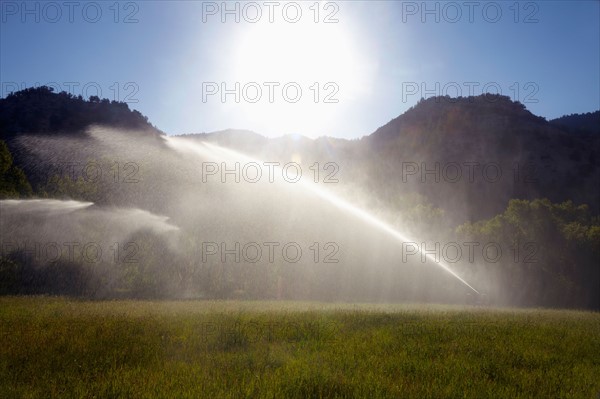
55	347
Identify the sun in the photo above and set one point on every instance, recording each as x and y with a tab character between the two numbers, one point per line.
300	51
296	77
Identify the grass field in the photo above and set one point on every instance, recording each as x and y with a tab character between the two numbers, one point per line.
55	347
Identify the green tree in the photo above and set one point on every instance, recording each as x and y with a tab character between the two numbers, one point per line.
13	182
553	251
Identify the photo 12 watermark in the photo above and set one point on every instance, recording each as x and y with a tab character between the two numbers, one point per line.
117	91
467	171
269	172
452	12
116	172
270	92
52	12
525	93
269	252
89	252
468	252
270	11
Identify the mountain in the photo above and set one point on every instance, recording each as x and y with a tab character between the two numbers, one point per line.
41	111
467	155
45	131
535	158
588	122
449	170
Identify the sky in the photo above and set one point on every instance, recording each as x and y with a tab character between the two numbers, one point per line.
334	68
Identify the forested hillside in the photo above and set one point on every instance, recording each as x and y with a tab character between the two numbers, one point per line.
479	170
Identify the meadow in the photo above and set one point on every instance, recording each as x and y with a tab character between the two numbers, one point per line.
59	347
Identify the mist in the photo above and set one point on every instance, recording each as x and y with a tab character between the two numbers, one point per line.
275	227
431	207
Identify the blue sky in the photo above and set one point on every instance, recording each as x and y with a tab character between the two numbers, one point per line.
369	63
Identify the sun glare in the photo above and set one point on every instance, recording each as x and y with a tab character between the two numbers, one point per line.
296	77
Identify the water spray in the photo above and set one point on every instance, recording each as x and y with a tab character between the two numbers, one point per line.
321	193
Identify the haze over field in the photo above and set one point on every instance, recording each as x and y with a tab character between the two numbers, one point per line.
471	193
471	214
